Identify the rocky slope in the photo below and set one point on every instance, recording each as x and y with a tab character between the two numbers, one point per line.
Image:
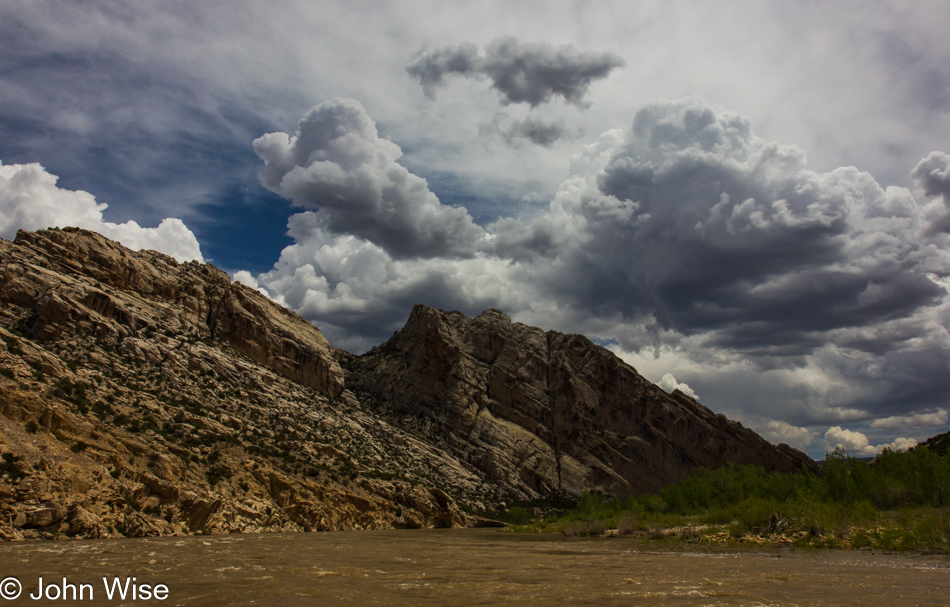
143	397
544	412
139	396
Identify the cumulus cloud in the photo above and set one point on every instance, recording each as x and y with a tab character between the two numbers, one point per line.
522	72
737	235
857	443
337	165
31	200
358	293
918	420
534	130
932	175
669	383
788	294
779	431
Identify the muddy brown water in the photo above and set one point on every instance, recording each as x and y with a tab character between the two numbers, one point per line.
460	567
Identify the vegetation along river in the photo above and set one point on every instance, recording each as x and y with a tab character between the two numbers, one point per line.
459	567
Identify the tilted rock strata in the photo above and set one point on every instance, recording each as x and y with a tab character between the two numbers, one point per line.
139	396
81	280
544	412
143	397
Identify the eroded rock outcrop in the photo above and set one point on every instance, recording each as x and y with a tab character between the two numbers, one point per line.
139	396
544	412
73	280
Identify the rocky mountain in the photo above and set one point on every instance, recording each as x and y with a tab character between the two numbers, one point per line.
544	412
140	396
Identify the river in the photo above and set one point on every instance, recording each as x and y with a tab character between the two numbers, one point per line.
458	567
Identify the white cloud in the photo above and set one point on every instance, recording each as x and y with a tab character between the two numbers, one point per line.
31	200
917	420
669	383
779	431
358	294
337	165
704	252
857	443
246	278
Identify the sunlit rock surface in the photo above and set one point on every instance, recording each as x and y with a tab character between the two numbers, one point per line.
544	412
140	396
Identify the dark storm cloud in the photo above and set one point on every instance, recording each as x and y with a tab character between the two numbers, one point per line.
522	72
337	164
813	296
431	67
708	228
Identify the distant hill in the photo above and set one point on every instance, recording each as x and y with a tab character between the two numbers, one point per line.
140	396
939	444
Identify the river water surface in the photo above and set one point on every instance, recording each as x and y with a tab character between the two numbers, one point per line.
464	567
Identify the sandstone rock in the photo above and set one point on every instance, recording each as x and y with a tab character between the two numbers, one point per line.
163	399
140	396
84	524
544	412
43	517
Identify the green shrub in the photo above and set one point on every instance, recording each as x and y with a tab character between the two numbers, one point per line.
518	516
591	528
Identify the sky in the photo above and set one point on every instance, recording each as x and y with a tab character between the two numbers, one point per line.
747	201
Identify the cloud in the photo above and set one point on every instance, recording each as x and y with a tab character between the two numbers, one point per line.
700	224
358	294
705	253
918	420
856	442
337	165
534	130
669	383
779	431
522	72
932	174
31	200
431	67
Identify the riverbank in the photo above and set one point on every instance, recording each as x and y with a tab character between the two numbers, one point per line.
921	538
900	502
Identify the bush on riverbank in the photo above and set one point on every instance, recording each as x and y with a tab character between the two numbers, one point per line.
901	501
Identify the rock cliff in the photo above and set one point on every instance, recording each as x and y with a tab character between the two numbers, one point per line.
140	396
544	412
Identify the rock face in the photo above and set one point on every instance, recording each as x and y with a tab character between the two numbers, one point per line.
544	412
143	397
79	276
139	396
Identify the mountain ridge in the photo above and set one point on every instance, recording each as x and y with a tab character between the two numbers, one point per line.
592	421
140	396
